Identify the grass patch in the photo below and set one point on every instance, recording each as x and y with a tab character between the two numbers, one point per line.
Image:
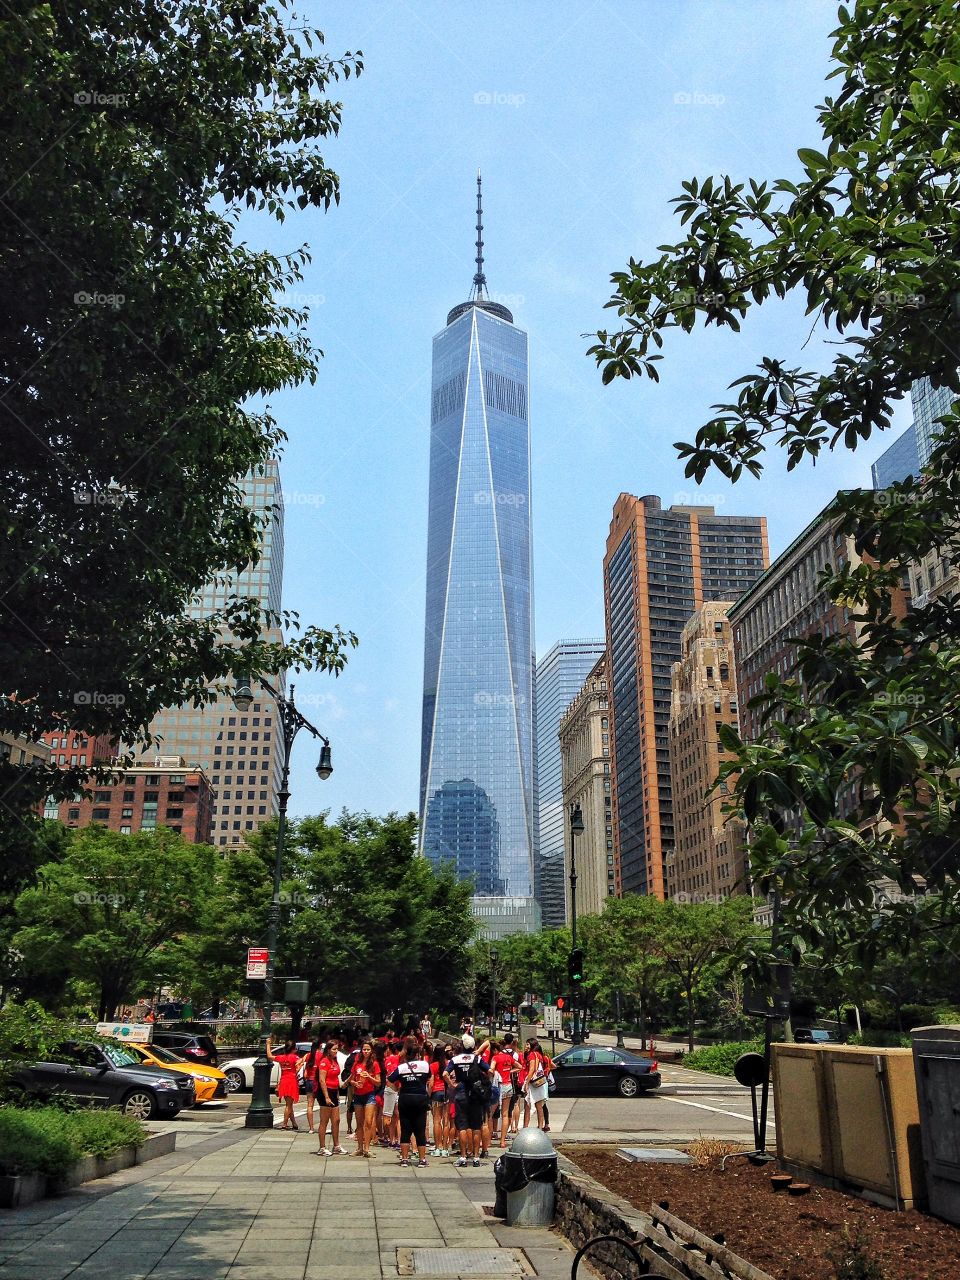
49	1140
719	1058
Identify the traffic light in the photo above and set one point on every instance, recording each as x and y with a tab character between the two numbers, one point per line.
575	965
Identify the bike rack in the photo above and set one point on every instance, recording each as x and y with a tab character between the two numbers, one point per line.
630	1247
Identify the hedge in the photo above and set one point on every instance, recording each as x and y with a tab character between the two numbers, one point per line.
719	1058
49	1140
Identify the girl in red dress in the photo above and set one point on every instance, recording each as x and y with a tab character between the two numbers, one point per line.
288	1090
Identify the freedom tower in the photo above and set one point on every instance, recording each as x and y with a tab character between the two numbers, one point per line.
477	773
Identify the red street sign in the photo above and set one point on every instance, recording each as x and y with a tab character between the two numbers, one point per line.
257	960
560	1002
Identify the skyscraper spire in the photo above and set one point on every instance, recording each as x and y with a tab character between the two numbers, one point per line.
479	280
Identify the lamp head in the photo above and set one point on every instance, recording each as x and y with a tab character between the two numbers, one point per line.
325	765
576	820
243	695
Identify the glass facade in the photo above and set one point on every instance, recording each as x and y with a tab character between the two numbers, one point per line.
560	677
900	461
477	780
238	752
911	450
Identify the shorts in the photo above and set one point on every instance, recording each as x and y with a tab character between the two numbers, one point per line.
468	1114
506	1089
389	1102
364	1099
334	1096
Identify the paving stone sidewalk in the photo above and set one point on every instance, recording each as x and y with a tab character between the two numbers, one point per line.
238	1206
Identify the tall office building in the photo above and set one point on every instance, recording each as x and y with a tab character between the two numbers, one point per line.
911	450
898	462
477	777
560	676
660	567
237	751
585	759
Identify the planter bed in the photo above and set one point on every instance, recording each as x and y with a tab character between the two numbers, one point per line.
791	1238
18	1190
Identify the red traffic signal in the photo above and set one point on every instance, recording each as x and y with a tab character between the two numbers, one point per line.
559	1002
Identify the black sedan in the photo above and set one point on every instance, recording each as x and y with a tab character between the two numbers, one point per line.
582	1070
107	1075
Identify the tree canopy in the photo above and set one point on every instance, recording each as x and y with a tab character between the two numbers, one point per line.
860	748
139	343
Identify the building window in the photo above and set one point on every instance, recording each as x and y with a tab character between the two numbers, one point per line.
125	829
101	815
127	813
103	797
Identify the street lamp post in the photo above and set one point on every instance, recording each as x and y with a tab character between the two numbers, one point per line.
620	1044
576	829
260	1112
494	957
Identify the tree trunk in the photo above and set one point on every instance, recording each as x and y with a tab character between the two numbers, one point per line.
690	1018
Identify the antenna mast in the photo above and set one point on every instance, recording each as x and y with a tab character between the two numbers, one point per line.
479	280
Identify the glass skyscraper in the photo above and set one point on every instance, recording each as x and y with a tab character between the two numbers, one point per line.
560	676
477	755
911	450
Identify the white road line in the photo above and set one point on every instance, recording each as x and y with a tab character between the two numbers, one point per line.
702	1106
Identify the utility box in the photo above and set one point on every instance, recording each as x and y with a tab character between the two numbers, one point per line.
848	1117
936	1061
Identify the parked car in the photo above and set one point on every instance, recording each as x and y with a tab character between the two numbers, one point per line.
815	1035
582	1070
194	1046
239	1071
209	1082
108	1075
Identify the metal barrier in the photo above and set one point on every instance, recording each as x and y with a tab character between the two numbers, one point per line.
628	1245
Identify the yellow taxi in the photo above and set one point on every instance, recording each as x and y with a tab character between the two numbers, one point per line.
210	1082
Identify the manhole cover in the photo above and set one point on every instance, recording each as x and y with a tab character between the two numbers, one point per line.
653	1155
461	1262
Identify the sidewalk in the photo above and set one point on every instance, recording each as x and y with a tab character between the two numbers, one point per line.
239	1206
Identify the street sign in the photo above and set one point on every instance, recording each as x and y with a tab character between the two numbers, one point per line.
552	1018
257	960
138	1032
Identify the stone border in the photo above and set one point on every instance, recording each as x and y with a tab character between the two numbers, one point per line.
19	1190
585	1208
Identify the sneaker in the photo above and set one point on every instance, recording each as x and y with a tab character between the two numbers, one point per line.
404	1164
322	1152
462	1162
437	1151
338	1151
424	1164
476	1162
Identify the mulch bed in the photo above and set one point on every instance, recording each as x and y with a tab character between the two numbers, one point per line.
790	1237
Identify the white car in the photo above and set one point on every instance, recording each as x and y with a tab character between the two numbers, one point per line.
239	1072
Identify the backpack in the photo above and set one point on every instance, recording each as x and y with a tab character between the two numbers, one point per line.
348	1066
478	1082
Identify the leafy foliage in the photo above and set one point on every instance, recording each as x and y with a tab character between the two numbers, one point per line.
139	342
49	1140
855	781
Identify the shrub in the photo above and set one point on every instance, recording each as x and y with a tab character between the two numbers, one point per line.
238	1033
851	1261
720	1058
872	1039
49	1139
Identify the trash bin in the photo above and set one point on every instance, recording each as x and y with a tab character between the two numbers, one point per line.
525	1177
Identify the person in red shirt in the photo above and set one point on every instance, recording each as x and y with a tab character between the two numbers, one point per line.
391	1092
438	1100
310	1080
507	1064
365	1076
327	1075
288	1091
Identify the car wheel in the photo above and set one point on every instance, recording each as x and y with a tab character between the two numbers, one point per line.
627	1087
235	1080
139	1104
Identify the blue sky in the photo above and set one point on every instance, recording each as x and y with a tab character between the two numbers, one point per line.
584	118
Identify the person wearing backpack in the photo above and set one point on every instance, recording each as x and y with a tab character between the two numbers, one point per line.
470	1076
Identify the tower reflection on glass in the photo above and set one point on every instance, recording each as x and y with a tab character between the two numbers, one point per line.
477	769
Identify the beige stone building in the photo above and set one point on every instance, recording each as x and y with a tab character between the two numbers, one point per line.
585	755
933	578
709	858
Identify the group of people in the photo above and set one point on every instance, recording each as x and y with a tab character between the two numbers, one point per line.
412	1092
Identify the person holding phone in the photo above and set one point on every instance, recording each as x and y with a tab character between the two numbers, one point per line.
288	1090
365	1076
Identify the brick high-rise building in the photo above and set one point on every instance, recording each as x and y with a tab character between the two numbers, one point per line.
70	749
709	858
660	567
159	793
585	754
787	601
237	751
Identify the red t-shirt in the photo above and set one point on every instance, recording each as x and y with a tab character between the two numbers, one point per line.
365	1087
390	1063
505	1061
329	1068
437	1084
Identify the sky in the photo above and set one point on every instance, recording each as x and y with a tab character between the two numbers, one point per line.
584	119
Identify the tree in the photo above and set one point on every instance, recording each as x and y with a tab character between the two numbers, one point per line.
140	339
110	912
701	939
861	743
623	952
